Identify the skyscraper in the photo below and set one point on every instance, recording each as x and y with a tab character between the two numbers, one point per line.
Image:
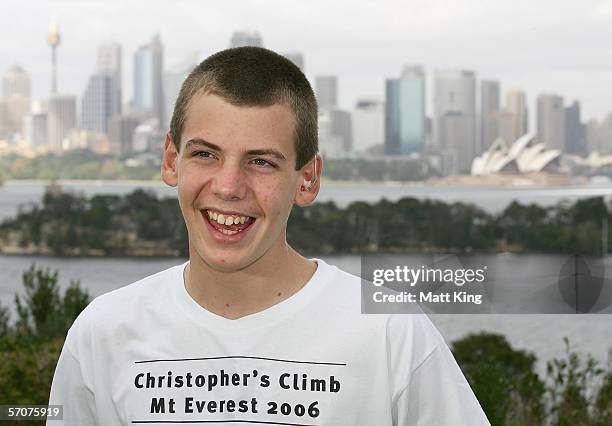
109	62
61	118
15	101
551	121
368	125
575	138
35	129
173	79
99	102
148	86
16	82
405	112
121	129
455	116
489	113
246	38
326	89
516	108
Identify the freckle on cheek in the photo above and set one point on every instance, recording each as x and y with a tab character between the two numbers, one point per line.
227	305
279	293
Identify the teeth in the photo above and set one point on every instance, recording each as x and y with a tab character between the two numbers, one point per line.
227	220
229	232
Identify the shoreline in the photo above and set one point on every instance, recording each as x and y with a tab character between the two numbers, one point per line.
336	183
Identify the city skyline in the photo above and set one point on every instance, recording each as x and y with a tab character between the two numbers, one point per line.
497	42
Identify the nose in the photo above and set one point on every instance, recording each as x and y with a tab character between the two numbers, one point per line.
229	183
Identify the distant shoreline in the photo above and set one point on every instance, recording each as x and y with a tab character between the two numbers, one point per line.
341	183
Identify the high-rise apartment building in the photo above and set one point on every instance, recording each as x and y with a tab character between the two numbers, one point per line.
455	117
99	102
61	118
16	82
489	113
148	99
109	62
551	121
326	89
405	112
246	38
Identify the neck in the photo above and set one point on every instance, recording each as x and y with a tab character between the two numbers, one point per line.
266	282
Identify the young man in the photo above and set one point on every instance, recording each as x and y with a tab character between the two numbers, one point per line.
248	330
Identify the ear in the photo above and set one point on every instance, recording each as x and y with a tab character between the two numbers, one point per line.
310	182
168	167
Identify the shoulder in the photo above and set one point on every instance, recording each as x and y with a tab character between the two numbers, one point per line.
403	332
121	306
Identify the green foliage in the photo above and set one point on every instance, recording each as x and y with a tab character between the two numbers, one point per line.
511	394
502	378
571	388
30	347
141	224
43	314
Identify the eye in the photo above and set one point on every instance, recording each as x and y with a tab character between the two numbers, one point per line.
203	154
262	163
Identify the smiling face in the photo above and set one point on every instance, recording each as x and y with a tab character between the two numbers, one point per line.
236	180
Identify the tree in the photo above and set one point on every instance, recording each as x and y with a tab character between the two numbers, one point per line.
502	378
43	314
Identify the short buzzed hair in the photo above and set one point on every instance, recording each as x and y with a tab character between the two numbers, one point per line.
253	76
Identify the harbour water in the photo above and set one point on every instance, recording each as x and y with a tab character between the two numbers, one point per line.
541	334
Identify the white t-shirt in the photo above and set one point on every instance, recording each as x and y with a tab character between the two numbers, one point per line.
148	353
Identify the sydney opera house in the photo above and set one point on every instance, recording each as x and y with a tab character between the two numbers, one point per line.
522	157
524	162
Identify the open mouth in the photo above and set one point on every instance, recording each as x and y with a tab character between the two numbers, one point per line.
228	224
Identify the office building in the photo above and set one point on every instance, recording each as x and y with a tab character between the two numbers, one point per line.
16	82
326	89
173	80
297	58
109	62
489	113
61	118
148	99
575	138
99	102
121	129
455	117
515	116
368	125
405	113
551	121
35	130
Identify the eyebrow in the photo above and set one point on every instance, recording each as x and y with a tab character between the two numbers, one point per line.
201	142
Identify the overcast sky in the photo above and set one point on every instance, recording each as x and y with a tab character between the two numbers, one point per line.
551	46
